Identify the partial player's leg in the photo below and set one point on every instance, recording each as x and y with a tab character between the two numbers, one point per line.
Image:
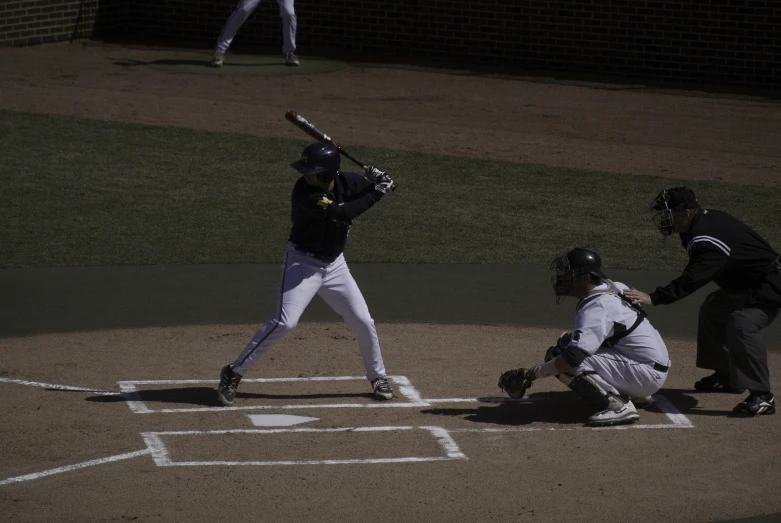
608	378
748	358
712	347
301	278
342	294
232	26
289	26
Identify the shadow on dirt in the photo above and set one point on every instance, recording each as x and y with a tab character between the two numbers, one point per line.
548	407
197	63
564	408
207	396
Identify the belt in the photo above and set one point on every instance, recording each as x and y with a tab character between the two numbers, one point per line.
661	368
315	255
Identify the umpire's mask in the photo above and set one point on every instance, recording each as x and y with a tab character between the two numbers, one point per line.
671	200
574	263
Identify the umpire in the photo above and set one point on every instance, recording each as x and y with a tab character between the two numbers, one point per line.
728	252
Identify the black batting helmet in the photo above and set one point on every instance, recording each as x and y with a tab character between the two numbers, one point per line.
574	263
321	159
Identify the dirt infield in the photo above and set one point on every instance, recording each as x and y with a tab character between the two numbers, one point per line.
527	461
163	451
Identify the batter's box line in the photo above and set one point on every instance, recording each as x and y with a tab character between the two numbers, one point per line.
679	420
162	458
137	405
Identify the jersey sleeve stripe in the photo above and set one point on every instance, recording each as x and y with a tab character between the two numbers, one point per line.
710	239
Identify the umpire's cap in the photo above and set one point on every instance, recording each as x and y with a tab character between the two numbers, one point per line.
318	158
675	199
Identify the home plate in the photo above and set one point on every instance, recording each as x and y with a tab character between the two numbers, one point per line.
278	420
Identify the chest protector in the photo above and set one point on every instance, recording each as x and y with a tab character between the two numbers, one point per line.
619	329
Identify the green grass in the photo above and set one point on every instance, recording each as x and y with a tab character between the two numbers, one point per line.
84	193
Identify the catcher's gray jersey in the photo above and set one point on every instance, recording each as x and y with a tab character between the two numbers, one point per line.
636	364
607	314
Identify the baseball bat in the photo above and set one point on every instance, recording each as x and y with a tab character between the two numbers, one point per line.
310	129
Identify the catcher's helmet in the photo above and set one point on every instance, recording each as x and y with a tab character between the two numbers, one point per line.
574	263
321	159
674	199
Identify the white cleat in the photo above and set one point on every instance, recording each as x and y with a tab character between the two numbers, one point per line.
624	415
643	402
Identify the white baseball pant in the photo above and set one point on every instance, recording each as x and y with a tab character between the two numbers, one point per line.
302	278
242	12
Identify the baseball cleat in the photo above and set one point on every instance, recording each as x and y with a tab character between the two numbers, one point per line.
229	385
716	382
624	415
217	58
382	389
756	404
291	59
643	402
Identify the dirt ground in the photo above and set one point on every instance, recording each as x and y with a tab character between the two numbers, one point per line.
524	461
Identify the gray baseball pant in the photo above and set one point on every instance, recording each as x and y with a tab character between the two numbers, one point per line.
730	341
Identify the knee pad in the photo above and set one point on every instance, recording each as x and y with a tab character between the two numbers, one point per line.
593	392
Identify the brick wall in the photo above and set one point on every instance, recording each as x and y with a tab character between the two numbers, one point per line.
726	42
30	22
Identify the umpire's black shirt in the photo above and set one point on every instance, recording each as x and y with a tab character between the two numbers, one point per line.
322	219
724	250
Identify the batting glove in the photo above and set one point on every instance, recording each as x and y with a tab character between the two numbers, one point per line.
385	187
376	175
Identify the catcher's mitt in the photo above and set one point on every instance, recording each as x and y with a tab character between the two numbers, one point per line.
514	382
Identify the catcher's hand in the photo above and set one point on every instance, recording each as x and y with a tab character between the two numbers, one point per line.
515	382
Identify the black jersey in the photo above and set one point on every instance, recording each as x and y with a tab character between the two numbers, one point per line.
726	251
322	219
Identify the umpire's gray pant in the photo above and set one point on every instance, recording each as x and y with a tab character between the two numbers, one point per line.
729	339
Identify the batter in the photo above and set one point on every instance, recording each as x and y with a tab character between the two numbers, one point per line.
325	201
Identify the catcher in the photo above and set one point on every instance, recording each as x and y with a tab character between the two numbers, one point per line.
614	358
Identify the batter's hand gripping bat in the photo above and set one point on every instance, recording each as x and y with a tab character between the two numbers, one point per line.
310	129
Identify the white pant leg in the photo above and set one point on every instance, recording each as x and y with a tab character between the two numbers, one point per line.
234	23
301	278
289	24
622	375
342	294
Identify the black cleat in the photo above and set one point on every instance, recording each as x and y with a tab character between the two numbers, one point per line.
229	384
717	382
382	389
756	404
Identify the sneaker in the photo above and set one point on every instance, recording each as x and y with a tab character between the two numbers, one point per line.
217	58
643	402
229	384
757	404
291	60
623	415
382	389
717	382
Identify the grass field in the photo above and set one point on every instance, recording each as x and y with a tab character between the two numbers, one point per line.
91	193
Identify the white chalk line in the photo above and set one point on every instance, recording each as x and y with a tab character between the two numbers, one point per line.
406	389
76	466
669	410
138	406
60	387
162	458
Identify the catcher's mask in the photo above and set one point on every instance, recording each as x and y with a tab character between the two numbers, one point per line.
671	200
574	263
321	159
